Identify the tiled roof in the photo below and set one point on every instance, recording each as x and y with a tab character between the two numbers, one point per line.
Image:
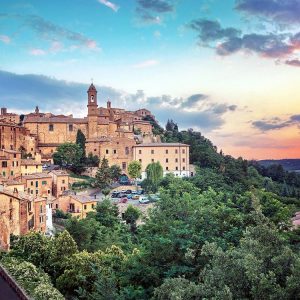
59	173
84	198
36	176
55	120
30	162
162	145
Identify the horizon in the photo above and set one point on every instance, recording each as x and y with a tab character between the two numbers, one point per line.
230	71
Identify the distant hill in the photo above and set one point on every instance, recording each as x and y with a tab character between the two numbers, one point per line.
287	164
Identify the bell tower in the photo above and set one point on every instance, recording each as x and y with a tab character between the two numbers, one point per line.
92	101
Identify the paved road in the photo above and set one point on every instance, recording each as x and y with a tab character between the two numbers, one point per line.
6	292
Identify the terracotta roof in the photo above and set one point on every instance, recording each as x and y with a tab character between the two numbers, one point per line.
59	173
84	198
162	145
30	162
36	176
34	119
20	195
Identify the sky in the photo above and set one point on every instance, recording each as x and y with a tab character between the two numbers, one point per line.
228	68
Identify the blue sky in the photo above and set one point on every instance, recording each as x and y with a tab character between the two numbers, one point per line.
237	59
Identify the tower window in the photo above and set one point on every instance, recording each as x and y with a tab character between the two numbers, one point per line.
106	151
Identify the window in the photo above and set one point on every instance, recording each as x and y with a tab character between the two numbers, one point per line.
167	168
36	192
44	182
140	151
32	183
41	208
56	206
25	167
11	173
13	163
93	205
3	173
95	149
124	165
152	151
15	155
126	150
176	160
41	219
176	151
36	167
115	151
85	206
29	206
63	181
4	164
183	168
176	168
183	151
152	160
49	191
167	160
140	160
31	192
36	184
106	151
51	127
70	127
183	160
167	151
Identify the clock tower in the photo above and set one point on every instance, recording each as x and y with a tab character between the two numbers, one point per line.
92	101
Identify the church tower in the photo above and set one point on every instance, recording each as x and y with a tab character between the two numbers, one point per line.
92	112
92	101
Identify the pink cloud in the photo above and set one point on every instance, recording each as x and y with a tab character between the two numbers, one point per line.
5	39
37	52
110	5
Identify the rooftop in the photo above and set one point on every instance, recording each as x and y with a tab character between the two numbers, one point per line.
59	173
162	145
84	198
30	162
36	176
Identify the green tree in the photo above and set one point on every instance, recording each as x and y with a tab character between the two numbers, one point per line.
107	214
92	160
80	141
154	173
134	170
131	215
69	155
115	172
103	175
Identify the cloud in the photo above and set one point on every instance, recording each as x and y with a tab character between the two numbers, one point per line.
37	52
276	123
5	39
146	64
159	6
50	31
59	96
230	40
293	62
110	5
282	11
149	11
209	30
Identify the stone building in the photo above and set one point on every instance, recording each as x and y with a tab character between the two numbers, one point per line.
38	184
30	166
77	205
10	117
105	128
60	182
174	157
10	164
19	213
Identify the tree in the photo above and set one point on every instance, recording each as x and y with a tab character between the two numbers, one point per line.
69	155
154	173
92	160
107	214
115	172
80	141
134	170
103	175
131	215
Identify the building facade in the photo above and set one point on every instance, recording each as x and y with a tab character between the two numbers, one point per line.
174	157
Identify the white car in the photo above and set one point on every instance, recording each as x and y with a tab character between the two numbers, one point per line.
144	200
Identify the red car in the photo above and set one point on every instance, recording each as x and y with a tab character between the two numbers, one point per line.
123	200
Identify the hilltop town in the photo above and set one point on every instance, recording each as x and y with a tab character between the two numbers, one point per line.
30	193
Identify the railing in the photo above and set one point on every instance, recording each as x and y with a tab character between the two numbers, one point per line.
14	286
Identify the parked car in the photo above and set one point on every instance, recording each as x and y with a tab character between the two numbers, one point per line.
115	195
135	197
154	197
123	200
128	192
140	192
134	192
144	200
129	196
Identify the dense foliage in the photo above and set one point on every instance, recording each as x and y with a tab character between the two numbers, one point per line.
226	233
